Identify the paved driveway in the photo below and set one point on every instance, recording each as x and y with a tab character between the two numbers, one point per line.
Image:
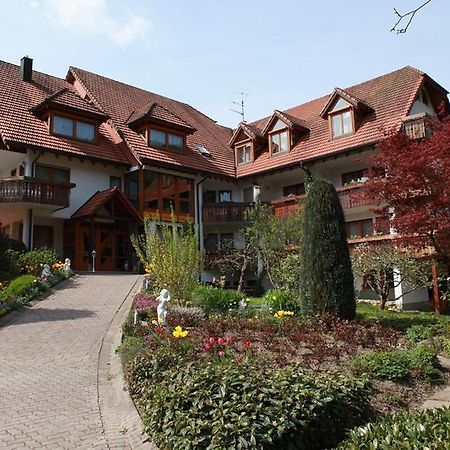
48	366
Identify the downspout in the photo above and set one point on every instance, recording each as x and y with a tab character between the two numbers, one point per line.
30	210
33	163
197	194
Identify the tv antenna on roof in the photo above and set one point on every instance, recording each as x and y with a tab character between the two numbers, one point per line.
241	105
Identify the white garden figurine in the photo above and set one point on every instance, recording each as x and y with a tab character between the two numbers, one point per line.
67	264
163	298
46	272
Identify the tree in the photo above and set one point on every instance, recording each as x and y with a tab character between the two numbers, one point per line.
376	265
407	17
327	283
170	253
410	180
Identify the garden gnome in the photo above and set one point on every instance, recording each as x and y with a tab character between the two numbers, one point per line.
163	298
46	272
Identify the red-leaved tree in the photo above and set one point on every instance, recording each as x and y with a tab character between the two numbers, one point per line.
413	182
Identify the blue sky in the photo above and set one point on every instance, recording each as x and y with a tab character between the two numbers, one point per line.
203	52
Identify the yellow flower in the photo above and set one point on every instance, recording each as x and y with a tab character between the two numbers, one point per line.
280	314
178	332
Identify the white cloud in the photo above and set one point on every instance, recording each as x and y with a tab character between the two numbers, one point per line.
96	17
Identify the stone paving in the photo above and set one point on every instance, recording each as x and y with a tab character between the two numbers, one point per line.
440	397
49	365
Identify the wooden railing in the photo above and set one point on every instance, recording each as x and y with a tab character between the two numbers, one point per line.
351	196
224	212
415	126
32	190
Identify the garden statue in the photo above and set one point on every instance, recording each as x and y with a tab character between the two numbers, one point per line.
163	298
46	272
67	269
242	303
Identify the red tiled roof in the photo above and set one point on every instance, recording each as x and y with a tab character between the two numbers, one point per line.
290	120
68	99
390	98
100	199
20	128
157	113
120	101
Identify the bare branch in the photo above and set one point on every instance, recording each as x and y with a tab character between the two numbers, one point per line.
409	16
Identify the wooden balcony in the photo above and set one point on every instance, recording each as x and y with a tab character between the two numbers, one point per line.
224	212
32	190
351	196
415	126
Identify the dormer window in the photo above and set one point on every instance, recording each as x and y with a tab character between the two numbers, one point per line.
72	128
164	139
341	119
244	153
278	138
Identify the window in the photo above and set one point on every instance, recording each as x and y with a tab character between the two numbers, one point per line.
52	174
214	242
131	183
249	194
209	197
294	189
279	142
163	139
211	242
224	196
63	126
226	241
357	176
115	182
341	123
244	154
359	228
42	237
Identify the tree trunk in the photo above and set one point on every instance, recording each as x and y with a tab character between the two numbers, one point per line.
383	302
241	276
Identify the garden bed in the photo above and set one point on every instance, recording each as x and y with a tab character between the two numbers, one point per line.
389	369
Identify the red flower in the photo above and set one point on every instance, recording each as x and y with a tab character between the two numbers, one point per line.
208	346
228	340
221	341
247	344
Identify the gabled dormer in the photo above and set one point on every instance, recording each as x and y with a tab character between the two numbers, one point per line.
160	127
69	116
283	130
344	112
245	141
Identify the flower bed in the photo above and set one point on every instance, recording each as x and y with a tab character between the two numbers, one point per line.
181	376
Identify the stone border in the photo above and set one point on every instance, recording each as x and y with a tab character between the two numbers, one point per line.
12	315
121	421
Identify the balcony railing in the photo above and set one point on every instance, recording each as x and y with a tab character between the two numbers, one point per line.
224	212
32	190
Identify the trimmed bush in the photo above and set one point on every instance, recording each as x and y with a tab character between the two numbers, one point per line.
19	287
397	364
327	282
9	254
186	316
281	300
213	299
33	261
231	406
409	430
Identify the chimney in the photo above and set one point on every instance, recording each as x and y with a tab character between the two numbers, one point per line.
26	68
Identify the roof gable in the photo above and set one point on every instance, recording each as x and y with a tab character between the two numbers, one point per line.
245	129
350	99
292	122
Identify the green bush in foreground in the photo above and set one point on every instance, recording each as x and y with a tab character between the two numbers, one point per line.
213	299
397	364
228	406
19	287
33	261
415	430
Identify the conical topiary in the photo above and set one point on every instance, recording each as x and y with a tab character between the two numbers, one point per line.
327	284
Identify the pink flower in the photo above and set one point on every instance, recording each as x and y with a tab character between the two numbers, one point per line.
221	353
229	340
212	340
221	341
207	346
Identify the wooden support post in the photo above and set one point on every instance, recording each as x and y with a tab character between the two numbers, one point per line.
141	190
436	302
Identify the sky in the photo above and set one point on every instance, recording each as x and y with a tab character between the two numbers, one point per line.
205	52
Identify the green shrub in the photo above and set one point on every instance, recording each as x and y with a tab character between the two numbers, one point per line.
418	333
213	299
397	364
281	300
409	430
33	261
9	253
445	346
240	406
327	282
19	287
130	347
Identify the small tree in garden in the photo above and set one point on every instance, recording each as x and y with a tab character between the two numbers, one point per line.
327	283
414	183
376	265
171	254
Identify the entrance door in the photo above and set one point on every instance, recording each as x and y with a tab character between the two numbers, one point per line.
105	248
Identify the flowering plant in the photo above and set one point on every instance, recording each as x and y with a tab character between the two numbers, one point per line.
280	314
178	332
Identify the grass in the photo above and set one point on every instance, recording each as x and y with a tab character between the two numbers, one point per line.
398	320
